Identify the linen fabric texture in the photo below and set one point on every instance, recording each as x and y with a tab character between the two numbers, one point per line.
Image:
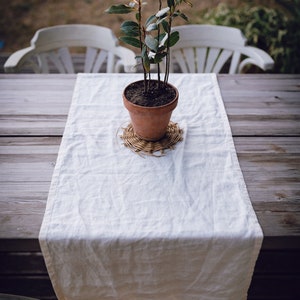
122	226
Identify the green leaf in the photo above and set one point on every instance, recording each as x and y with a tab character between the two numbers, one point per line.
171	3
159	57
150	20
182	15
131	41
146	62
151	27
161	20
151	42
138	17
162	12
166	26
130	28
163	39
174	38
119	9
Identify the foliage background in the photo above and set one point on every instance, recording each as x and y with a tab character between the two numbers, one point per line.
275	27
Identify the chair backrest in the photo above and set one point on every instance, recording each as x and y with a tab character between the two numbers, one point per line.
207	48
51	47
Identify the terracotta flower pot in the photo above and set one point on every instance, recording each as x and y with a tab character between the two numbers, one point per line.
150	123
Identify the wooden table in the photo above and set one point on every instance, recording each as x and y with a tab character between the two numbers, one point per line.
264	113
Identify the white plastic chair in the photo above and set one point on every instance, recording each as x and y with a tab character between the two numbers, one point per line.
207	48
49	51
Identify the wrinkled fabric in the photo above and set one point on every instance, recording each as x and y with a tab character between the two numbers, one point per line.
122	226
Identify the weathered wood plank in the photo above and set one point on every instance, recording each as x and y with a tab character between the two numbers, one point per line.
25	244
256	105
42	111
270	126
270	167
18	263
32	263
258	82
262	288
39	287
28	270
32	125
274	224
268	105
279	223
241	125
264	113
274	288
25	269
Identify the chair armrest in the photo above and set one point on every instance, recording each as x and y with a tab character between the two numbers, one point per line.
17	59
127	60
256	57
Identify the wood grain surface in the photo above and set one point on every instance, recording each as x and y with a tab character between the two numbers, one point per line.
264	114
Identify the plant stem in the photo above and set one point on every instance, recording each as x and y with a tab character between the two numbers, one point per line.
158	34
141	33
168	52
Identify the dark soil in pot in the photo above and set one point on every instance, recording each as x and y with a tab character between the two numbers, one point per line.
158	94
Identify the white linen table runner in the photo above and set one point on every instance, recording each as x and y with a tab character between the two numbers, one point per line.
123	226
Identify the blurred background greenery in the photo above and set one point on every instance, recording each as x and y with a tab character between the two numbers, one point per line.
272	25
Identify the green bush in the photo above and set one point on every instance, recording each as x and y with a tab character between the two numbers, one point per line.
266	28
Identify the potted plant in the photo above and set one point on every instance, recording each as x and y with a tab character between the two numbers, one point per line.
150	102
